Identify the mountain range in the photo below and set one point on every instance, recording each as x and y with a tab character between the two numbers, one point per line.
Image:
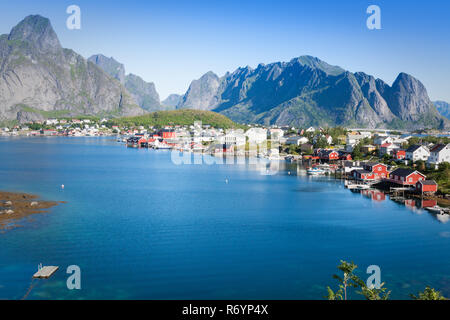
144	93
40	79
307	91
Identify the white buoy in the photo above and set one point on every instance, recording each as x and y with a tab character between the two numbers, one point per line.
289	173
226	180
62	186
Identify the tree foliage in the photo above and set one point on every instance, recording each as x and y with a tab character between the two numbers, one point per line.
347	280
429	294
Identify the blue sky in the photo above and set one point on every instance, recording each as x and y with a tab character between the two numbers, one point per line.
173	42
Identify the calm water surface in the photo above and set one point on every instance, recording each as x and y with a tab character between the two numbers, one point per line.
141	227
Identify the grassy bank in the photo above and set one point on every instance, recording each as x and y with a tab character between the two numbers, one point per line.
176	117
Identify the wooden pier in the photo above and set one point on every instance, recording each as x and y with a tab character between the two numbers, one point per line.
45	272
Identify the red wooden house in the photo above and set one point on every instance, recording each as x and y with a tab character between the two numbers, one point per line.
136	142
371	172
346	156
406	177
328	155
168	134
399	154
426	186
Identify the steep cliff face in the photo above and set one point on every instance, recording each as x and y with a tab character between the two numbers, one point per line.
39	78
308	91
408	98
202	93
144	93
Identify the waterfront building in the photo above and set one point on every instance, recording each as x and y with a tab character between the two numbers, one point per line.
406	177
233	138
371	171
328	155
427	186
350	166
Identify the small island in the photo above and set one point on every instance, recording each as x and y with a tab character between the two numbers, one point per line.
15	207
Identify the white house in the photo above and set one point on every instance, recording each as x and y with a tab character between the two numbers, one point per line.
417	152
234	137
256	135
311	129
388	148
366	134
50	122
349	166
439	153
276	133
297	140
352	140
380	140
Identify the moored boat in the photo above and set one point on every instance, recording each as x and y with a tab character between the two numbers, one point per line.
315	171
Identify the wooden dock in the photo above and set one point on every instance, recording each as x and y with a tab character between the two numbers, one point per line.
45	272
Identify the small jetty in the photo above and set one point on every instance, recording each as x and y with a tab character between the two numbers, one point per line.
357	186
45	272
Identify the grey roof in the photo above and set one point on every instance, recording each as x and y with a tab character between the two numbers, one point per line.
352	163
362	171
438	148
370	164
413	148
428	182
402	172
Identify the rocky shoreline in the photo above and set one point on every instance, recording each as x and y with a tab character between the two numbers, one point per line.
15	207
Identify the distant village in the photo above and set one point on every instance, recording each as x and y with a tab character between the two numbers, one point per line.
366	156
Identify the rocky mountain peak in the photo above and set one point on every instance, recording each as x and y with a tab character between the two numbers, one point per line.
37	31
316	63
408	98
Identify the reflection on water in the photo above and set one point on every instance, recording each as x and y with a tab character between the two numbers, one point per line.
417	206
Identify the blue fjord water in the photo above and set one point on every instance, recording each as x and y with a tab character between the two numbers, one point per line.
141	227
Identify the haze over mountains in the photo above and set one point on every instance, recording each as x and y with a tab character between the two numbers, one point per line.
40	79
443	108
